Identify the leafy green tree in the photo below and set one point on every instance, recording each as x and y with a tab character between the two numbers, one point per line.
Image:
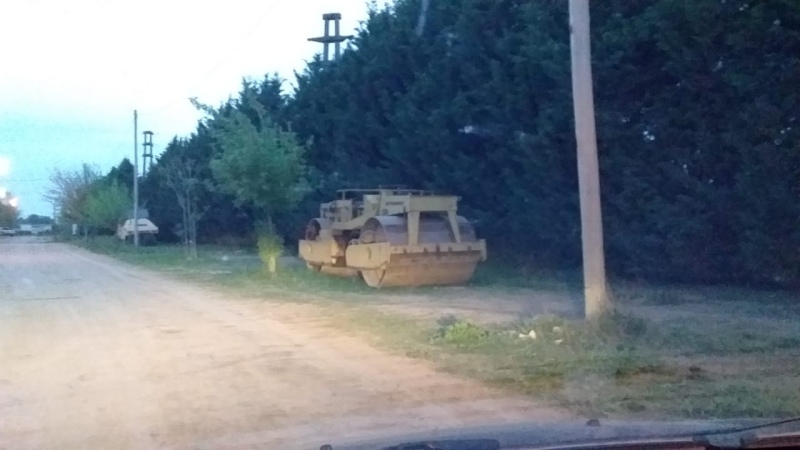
222	221
106	206
261	164
69	192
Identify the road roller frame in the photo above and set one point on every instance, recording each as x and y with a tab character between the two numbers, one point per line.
393	237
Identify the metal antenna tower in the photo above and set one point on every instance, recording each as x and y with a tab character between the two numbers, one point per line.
327	39
147	151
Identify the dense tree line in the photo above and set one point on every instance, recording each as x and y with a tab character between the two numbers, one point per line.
697	107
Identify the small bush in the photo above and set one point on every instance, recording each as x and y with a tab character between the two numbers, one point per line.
461	333
270	247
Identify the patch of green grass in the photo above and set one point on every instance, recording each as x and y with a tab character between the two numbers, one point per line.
621	325
547	366
590	372
151	256
602	369
238	268
693	339
539	367
607	347
295	277
496	274
620	364
294	281
461	333
707	399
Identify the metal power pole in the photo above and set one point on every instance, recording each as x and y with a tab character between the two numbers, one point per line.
594	271
327	39
147	151
135	179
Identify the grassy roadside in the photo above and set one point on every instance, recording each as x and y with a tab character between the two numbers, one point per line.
667	355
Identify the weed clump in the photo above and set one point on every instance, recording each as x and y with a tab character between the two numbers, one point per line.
460	333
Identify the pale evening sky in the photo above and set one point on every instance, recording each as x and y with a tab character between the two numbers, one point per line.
71	73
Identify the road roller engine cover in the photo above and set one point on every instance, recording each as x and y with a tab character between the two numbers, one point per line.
393	237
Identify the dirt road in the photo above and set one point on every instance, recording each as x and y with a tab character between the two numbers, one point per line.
98	354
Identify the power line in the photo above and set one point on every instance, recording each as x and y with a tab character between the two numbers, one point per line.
220	63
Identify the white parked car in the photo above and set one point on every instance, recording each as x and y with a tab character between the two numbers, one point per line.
147	230
4	231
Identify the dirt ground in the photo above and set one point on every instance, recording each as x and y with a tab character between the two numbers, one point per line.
95	353
712	306
482	307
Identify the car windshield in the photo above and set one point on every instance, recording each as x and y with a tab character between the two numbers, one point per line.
284	224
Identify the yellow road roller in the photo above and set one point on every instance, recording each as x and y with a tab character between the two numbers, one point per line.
393	237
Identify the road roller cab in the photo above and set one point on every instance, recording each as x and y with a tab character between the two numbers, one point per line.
393	237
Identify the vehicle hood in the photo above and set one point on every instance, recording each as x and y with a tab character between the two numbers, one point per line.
542	434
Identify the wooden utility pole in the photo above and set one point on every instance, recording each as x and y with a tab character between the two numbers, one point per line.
135	179
594	270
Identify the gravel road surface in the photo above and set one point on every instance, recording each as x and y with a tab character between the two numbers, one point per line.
95	353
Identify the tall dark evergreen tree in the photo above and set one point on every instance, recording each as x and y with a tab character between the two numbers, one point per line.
697	126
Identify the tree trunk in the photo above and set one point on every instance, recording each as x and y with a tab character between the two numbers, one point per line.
268	244
187	238
192	231
272	263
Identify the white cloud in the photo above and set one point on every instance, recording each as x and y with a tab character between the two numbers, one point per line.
84	65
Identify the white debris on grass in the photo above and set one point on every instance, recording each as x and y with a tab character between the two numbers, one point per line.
531	335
